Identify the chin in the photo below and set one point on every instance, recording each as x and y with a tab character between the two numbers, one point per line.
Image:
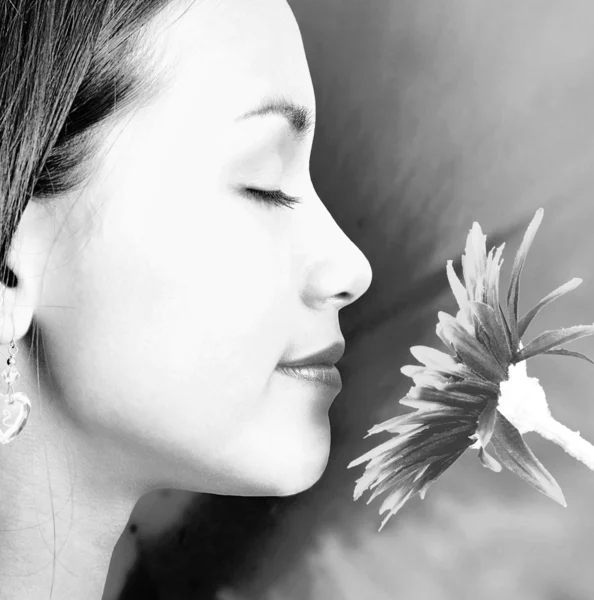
269	460
299	484
299	460
288	480
297	476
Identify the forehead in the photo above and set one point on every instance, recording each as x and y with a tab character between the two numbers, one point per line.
224	56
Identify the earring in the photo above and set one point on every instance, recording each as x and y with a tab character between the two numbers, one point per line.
17	407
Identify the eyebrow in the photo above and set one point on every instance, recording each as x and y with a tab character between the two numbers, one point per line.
301	118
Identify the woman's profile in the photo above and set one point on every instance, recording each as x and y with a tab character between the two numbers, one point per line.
162	251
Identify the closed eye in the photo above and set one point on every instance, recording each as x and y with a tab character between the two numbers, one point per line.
274	197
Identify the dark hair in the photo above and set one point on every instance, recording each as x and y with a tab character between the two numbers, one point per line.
65	67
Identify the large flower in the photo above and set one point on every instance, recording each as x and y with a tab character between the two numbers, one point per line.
480	392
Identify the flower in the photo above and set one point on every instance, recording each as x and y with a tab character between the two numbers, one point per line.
478	392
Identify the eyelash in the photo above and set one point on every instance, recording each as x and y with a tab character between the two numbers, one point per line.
274	197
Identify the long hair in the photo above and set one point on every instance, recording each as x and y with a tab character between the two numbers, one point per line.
66	67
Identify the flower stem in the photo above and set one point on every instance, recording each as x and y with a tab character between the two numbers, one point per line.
569	440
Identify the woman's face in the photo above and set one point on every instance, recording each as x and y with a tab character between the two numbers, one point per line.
183	293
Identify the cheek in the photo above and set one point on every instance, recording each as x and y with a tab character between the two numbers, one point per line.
186	294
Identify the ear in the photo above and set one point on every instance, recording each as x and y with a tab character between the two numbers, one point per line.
28	255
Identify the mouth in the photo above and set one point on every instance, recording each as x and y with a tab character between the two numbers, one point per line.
328	356
326	375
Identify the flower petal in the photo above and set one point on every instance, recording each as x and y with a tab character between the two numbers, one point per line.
557	293
417	417
391	445
511	449
442	336
381	477
431	446
437	469
549	340
486	423
412	370
366	480
410	481
461	296
492	271
421	472
458	289
394	503
442	440
473	387
422	376
564	352
440	361
470	351
453	399
434	359
514	285
387	478
492	292
474	260
487	317
391	479
423	404
488	461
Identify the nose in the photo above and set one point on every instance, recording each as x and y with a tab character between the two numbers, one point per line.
339	273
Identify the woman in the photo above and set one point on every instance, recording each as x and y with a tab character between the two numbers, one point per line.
163	249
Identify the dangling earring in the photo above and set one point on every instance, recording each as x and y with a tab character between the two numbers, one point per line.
16	407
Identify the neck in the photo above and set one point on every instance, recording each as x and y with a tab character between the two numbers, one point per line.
64	503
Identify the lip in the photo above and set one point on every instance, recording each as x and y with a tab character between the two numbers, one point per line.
327	375
324	358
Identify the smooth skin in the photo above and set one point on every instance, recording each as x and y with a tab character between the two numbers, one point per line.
164	299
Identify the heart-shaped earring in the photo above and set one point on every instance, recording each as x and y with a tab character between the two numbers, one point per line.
14	415
16	407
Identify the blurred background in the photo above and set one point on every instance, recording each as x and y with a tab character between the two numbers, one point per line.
431	115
